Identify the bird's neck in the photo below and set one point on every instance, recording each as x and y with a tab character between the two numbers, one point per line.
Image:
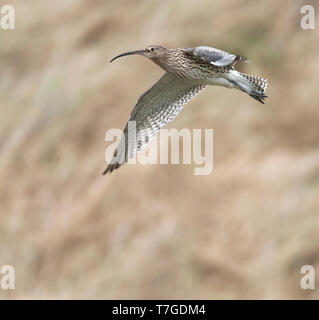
172	61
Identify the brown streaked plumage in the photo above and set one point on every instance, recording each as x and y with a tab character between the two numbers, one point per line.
188	71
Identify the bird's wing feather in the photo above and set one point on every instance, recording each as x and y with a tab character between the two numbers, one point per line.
153	110
213	56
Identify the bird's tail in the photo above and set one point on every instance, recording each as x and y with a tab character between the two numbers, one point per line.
254	86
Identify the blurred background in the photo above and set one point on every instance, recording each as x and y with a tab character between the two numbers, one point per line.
156	231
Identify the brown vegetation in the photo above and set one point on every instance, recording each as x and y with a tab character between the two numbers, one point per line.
156	231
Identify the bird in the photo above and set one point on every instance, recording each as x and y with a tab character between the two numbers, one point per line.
187	72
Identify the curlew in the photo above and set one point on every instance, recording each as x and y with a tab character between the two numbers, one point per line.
187	72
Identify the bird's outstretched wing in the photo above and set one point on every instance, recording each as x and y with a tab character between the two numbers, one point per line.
214	56
153	110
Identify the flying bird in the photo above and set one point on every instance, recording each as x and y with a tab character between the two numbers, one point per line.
187	72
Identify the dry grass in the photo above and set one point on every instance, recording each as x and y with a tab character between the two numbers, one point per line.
156	231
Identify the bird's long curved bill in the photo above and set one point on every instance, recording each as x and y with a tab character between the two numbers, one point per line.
128	54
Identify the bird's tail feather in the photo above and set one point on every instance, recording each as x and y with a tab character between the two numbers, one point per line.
253	85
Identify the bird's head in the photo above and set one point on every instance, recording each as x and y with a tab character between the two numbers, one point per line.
151	52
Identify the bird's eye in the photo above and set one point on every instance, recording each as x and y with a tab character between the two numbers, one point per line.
152	49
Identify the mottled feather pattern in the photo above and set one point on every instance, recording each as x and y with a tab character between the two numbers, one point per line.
157	107
220	61
188	71
260	83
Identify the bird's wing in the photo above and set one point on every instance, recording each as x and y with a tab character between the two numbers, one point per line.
153	110
214	56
